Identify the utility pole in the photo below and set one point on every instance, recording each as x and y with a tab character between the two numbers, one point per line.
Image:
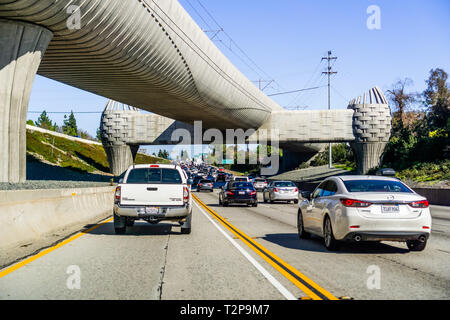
329	72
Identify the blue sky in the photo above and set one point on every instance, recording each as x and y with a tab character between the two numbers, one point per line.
287	39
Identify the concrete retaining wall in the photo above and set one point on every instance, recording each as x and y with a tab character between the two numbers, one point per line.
435	195
28	215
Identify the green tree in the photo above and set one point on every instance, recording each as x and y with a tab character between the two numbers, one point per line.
99	134
70	125
30	122
45	122
401	102
437	100
163	154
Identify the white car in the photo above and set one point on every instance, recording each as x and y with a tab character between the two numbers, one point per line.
365	208
154	193
259	184
281	191
241	179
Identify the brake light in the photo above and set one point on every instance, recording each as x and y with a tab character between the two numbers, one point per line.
419	204
295	190
154	166
185	194
118	193
275	190
355	203
230	193
252	193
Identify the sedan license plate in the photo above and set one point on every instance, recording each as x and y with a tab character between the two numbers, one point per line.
390	208
241	192
151	210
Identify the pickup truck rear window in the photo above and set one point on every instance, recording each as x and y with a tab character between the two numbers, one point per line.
154	176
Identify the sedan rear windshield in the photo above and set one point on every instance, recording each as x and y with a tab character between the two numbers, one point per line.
240	185
284	184
154	176
260	180
375	186
205	181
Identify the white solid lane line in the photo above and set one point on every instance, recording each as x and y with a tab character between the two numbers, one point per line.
288	295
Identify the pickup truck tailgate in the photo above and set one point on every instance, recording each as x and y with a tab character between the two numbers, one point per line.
152	194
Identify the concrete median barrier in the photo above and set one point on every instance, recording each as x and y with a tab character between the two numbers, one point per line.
29	215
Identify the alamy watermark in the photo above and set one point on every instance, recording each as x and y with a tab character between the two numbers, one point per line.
73	281
374	20
374	280
74	20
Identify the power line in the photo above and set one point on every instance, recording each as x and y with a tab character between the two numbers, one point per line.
235	44
287	92
65	112
204	56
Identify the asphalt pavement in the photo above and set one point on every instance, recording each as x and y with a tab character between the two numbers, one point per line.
237	252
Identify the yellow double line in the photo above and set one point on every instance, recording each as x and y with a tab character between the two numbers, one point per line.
50	249
309	287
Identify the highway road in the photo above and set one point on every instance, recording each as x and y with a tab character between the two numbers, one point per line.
234	253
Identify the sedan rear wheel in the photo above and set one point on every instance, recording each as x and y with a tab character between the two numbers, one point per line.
416	245
330	242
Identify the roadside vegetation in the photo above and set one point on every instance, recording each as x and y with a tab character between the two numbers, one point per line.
81	157
419	145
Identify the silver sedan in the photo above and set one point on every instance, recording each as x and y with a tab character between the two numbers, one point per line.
281	191
365	208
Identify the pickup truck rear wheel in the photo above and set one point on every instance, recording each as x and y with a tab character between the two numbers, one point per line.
129	222
186	226
120	226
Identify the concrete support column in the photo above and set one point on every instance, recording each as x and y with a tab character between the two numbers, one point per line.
22	48
368	155
371	124
120	157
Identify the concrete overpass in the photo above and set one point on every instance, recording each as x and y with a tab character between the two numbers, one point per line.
147	54
366	124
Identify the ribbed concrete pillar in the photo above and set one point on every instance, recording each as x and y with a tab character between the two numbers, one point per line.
120	157
368	155
371	124
22	46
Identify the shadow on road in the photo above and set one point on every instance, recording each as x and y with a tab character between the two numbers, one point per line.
291	241
139	229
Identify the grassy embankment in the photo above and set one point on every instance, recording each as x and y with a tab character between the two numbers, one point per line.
73	155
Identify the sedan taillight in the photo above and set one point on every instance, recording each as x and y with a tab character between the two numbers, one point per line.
419	204
252	193
229	193
275	190
355	203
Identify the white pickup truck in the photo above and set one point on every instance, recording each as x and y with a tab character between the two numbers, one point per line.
153	192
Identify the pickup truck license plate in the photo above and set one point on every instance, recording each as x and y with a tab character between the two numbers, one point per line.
151	210
390	208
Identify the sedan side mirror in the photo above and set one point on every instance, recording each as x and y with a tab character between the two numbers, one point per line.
120	180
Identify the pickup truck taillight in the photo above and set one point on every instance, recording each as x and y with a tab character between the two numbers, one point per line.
185	194
117	194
